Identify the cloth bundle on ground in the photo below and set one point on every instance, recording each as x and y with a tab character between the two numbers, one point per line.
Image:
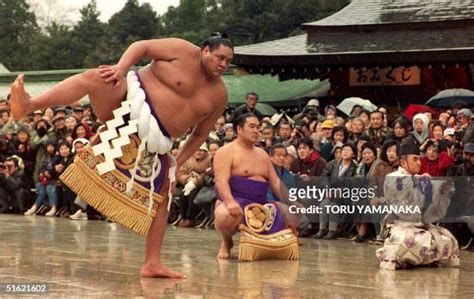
126	174
263	233
418	244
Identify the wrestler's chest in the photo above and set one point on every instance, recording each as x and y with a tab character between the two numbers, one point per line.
247	166
182	80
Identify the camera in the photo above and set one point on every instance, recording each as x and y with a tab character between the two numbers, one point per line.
3	166
458	135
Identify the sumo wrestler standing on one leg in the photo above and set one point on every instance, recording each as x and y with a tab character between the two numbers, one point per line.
184	88
243	173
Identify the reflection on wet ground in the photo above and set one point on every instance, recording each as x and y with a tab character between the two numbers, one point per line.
90	258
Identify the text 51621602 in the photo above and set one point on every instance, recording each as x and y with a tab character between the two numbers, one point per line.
23	288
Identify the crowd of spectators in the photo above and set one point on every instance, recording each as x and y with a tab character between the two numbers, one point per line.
34	152
316	142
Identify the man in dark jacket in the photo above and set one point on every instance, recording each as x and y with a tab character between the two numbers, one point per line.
309	162
13	180
251	101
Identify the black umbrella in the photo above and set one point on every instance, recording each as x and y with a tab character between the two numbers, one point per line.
447	97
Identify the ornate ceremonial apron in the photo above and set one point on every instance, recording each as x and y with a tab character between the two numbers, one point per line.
263	233
127	174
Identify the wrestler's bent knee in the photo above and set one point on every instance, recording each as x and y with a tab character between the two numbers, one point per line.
92	75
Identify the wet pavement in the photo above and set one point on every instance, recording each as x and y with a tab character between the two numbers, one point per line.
97	258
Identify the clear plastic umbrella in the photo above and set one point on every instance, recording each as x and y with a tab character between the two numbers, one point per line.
347	104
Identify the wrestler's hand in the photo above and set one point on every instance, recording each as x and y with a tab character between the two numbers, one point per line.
234	208
111	73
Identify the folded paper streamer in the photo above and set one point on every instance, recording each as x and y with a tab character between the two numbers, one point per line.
256	245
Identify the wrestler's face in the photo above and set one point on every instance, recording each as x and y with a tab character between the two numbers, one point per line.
217	61
279	157
251	130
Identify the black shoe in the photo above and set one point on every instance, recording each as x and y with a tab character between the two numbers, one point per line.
359	239
320	234
331	235
306	233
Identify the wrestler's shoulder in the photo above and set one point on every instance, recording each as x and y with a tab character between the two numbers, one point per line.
182	43
260	151
228	147
225	150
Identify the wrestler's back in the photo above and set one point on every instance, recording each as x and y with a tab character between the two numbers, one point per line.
180	93
252	164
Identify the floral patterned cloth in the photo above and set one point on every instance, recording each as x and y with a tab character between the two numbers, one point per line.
418	244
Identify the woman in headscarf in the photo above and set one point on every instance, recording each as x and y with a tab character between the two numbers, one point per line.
420	127
82	130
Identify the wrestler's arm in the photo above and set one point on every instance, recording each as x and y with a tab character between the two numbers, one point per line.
199	135
166	49
222	172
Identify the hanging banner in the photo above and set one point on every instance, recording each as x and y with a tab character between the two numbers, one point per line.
392	76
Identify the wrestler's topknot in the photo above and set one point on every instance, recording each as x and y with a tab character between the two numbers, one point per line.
217	39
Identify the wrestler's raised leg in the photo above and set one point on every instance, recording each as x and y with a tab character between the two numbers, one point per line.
104	96
152	266
227	226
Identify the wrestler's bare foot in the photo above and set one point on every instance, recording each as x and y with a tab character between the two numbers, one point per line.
20	101
224	251
159	271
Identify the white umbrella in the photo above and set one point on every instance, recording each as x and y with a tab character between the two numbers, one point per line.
347	104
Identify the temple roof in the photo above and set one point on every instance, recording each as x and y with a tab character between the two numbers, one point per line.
335	47
376	12
370	32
